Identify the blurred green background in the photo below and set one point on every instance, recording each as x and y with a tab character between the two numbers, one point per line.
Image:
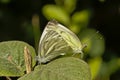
95	22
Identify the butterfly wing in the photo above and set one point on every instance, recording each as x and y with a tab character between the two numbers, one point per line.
70	37
57	40
52	44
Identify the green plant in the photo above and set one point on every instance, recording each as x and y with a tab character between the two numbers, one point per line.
64	12
67	67
12	64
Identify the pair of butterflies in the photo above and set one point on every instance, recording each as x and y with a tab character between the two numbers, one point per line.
57	40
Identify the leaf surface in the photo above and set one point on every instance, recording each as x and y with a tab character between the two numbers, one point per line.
69	68
12	58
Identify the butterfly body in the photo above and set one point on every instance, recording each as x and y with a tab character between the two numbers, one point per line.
57	40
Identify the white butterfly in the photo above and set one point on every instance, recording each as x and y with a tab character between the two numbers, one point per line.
57	40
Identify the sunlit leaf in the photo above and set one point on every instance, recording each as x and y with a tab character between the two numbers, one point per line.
75	28
55	12
95	65
81	18
68	5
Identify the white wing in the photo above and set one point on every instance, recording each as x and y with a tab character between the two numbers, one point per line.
56	40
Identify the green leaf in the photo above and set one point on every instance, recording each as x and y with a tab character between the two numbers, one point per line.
68	68
55	12
95	65
12	58
94	41
8	69
68	5
81	18
109	68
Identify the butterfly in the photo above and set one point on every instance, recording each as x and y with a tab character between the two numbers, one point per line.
57	40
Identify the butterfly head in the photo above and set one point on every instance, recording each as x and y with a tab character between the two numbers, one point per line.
78	51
